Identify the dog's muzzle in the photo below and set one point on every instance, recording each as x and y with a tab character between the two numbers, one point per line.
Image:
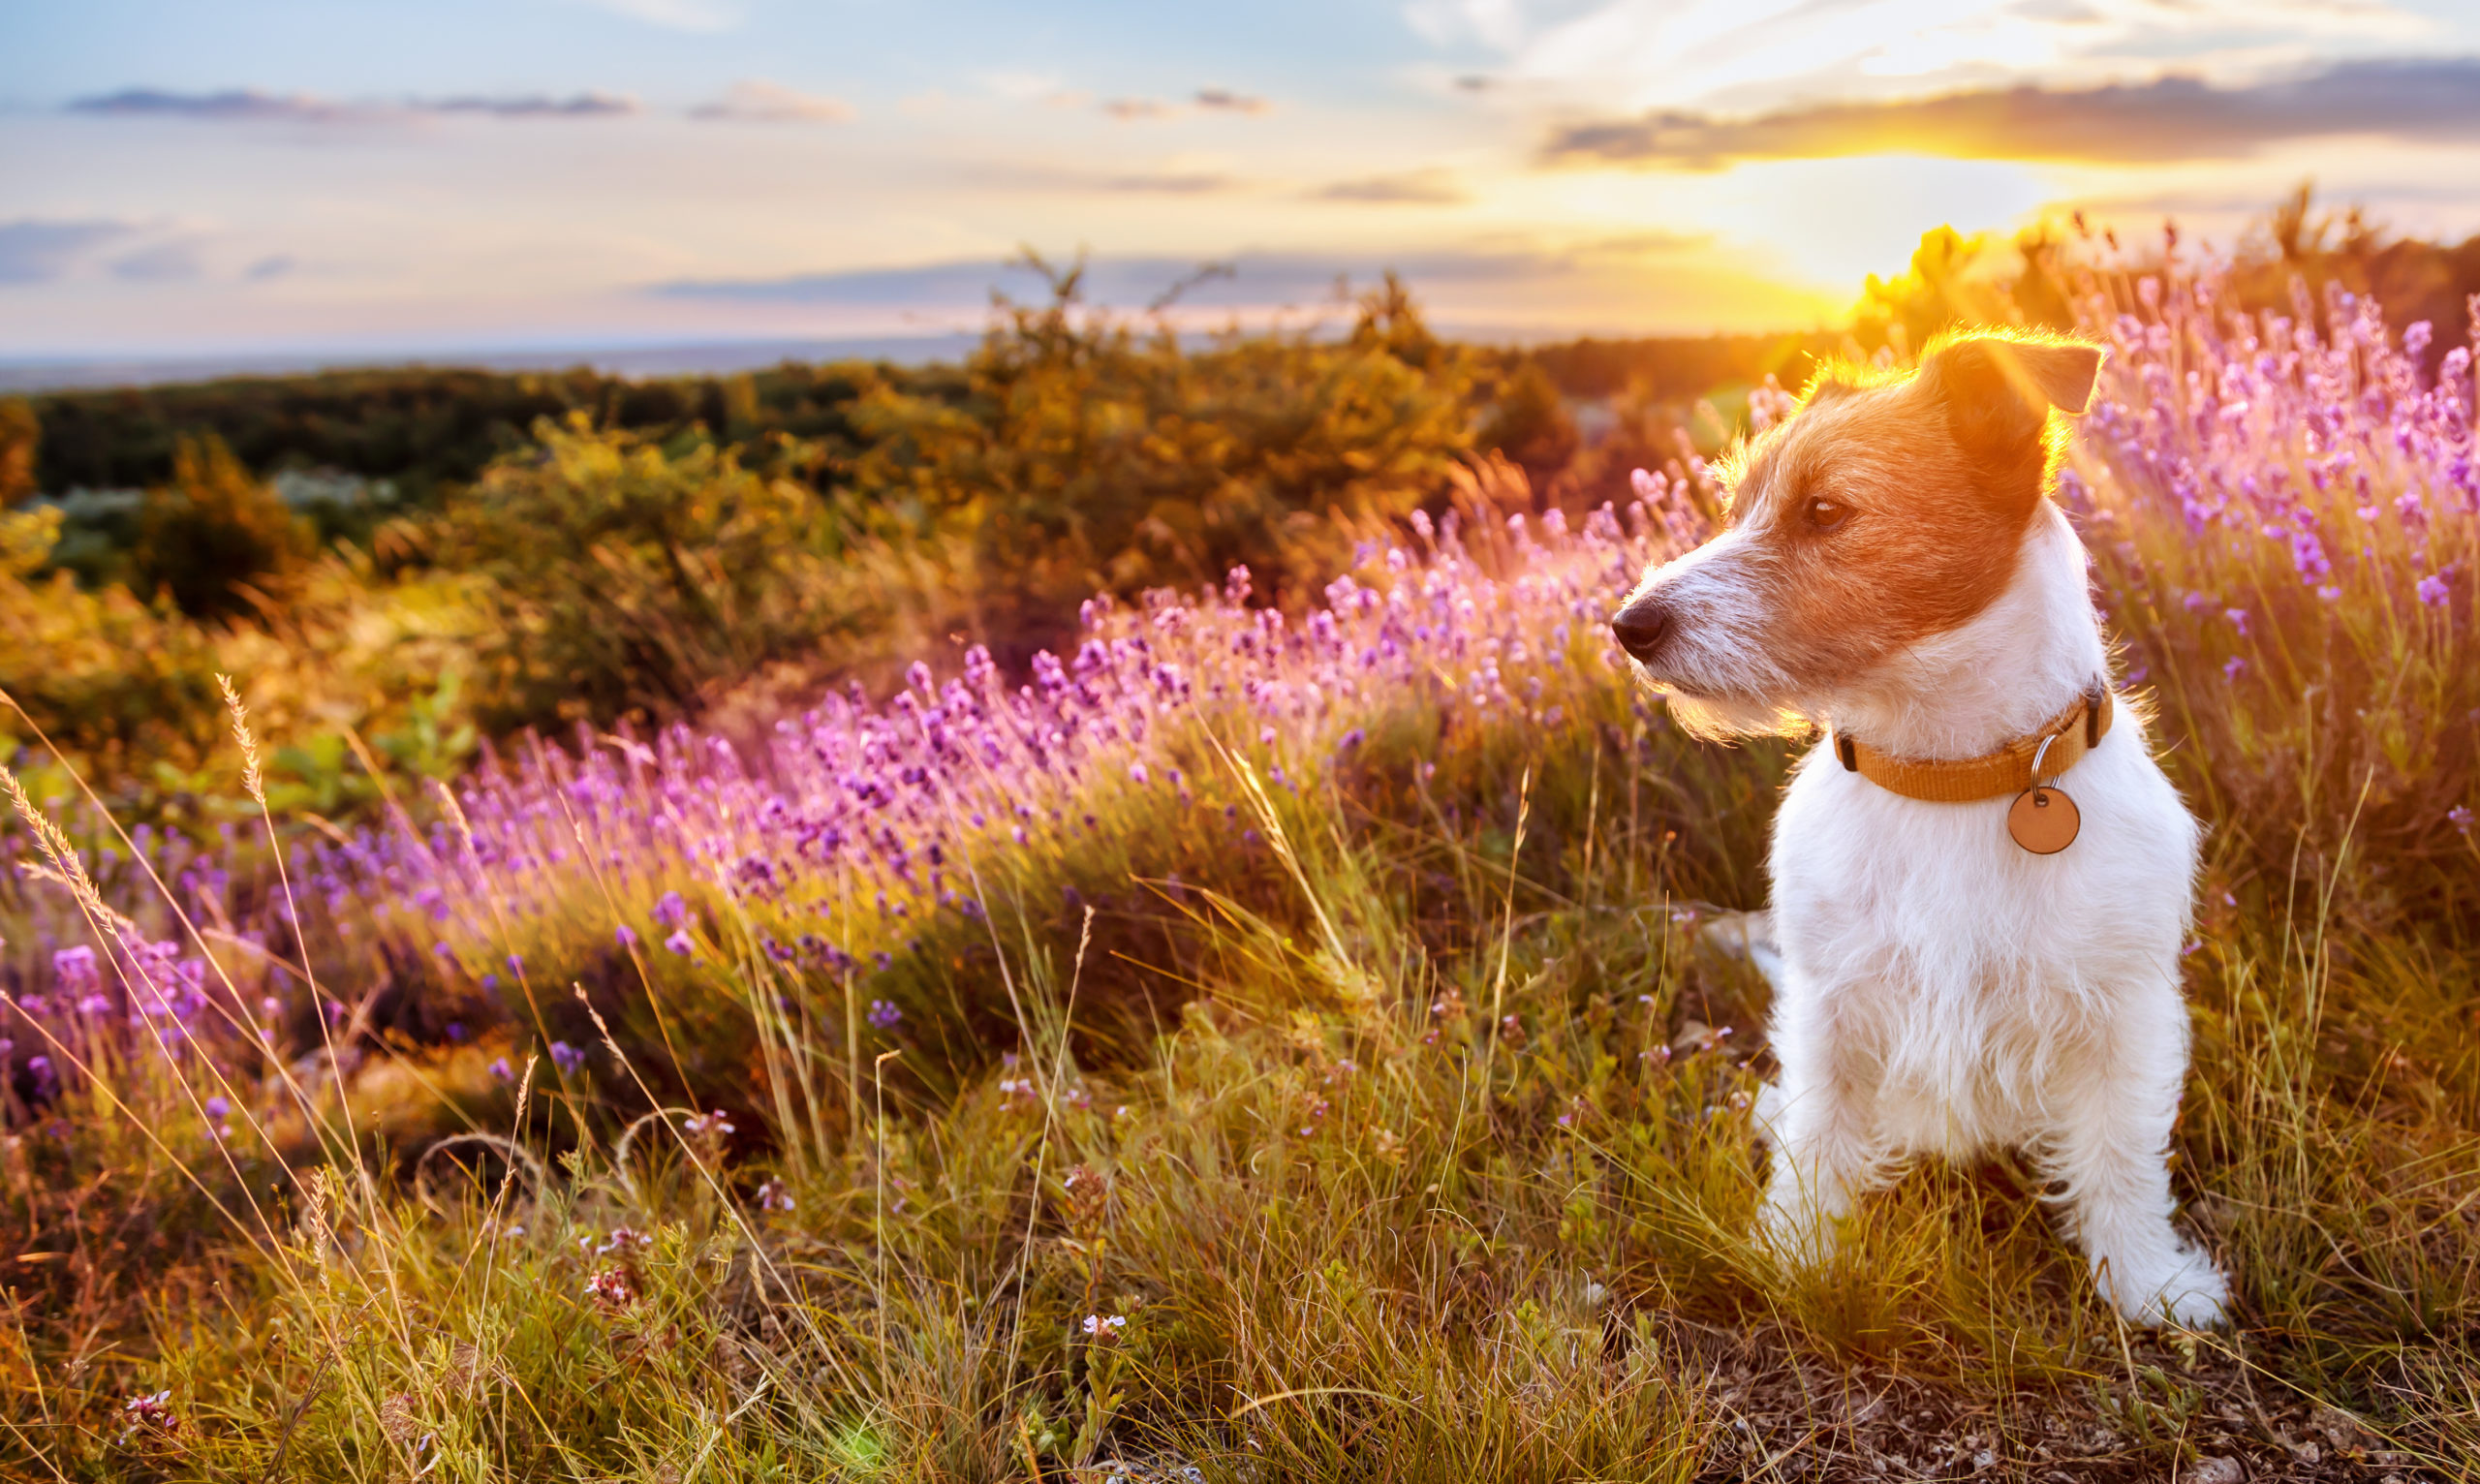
1641	628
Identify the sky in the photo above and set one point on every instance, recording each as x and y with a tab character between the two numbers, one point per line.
370	177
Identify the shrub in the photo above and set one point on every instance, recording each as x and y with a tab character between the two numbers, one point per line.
1081	457
19	436
620	577
219	541
114	682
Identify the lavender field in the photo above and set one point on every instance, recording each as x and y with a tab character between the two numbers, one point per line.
1266	1042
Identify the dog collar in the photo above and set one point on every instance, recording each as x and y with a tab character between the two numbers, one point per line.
2004	772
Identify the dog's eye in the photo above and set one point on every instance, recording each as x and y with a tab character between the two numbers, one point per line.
1827	514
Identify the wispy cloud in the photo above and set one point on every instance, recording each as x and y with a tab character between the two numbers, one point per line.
1172	177
1223	100
533	105
1257	279
2173	118
251	106
758	100
1169	183
37	251
1735	56
174	262
1412	188
233	104
1206	100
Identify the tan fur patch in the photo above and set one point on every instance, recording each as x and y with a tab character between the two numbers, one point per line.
1931	537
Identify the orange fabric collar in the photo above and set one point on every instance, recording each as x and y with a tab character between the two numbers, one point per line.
2002	774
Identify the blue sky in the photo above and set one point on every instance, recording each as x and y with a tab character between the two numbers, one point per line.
368	176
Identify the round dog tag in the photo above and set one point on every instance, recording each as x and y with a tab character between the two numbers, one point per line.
2043	819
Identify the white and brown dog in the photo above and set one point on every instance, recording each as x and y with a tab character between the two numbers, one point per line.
1980	884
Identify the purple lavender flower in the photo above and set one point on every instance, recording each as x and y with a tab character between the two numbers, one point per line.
626	936
884	1015
670	910
501	1071
218	1108
2431	589
681	942
75	969
567	1058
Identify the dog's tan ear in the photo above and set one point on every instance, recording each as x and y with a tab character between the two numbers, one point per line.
1999	390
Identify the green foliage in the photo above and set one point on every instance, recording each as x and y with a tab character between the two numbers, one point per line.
1079	455
116	682
1529	424
217	540
427	431
618	577
20	435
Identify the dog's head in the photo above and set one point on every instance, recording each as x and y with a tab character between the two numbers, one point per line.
1887	510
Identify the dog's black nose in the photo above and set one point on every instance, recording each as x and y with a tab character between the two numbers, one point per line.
1641	626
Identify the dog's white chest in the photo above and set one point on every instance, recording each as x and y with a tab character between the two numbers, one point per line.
1966	969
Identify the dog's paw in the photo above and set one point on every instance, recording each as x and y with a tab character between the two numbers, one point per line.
2188	1292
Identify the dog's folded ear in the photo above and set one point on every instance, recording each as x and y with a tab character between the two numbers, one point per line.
1999	390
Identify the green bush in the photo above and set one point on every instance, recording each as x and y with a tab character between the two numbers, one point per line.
219	541
1081	455
20	435
619	577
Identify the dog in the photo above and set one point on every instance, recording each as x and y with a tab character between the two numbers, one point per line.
1981	880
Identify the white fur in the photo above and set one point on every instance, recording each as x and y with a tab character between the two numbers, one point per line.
1943	991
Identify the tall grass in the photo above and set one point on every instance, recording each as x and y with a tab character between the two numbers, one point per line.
1275	1047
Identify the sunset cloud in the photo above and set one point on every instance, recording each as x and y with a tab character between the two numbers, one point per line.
761	102
1411	187
1259	278
1206	100
251	106
2172	118
1223	100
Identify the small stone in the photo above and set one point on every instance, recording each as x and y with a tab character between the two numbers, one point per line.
2215	1470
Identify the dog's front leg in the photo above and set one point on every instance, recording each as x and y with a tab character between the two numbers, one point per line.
2110	1149
1821	1119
